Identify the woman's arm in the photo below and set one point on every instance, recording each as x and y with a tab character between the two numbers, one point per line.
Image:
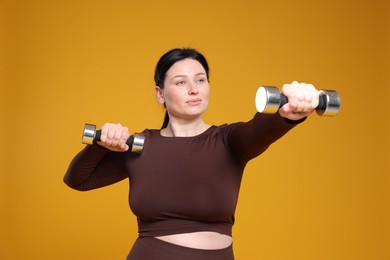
250	139
95	167
100	165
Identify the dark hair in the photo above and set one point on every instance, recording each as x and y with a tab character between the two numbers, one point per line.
171	57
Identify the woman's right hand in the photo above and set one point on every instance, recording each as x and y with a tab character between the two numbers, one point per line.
114	137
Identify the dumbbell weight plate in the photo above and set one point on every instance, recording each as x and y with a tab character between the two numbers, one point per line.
268	100
332	103
89	133
138	143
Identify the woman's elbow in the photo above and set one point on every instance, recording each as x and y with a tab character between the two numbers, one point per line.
74	186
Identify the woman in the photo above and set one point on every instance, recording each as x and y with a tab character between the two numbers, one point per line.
184	185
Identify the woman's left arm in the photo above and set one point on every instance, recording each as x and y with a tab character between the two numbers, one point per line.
250	139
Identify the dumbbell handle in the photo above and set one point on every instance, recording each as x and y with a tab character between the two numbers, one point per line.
91	135
321	101
98	133
269	100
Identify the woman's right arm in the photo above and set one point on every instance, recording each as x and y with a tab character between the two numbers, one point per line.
95	167
100	165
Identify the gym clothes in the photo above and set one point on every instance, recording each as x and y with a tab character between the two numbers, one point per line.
181	184
150	248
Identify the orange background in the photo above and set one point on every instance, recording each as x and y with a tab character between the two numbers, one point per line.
322	192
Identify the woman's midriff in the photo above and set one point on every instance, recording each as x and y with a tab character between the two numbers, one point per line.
199	240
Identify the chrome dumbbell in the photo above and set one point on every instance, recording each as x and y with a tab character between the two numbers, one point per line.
269	100
90	135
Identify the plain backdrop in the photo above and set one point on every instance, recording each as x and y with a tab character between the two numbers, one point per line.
321	192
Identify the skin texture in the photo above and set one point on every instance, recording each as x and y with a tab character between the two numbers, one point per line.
185	94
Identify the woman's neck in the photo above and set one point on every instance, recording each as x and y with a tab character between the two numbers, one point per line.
184	128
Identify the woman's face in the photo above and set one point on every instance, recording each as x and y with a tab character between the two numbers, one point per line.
186	90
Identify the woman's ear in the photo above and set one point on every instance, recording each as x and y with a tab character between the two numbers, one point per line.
159	95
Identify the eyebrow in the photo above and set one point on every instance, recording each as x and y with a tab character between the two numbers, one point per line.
197	74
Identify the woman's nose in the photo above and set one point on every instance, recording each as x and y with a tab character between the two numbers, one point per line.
193	89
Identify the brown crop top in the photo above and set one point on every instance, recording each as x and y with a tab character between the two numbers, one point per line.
181	184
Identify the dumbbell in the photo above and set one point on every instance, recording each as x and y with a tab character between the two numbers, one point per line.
90	135
269	100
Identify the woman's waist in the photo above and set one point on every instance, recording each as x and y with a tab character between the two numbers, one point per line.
173	226
207	240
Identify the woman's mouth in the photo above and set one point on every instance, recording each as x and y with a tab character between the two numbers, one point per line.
194	102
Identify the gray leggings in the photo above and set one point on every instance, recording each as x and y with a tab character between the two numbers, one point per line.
150	248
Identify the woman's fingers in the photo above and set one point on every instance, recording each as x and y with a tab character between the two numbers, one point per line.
302	100
114	137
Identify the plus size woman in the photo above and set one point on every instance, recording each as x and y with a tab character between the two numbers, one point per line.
184	185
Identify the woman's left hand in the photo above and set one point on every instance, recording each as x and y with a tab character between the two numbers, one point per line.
302	100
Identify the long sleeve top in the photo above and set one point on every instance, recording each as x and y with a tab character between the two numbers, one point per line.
181	184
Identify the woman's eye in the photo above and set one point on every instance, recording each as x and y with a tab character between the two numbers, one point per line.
180	83
201	81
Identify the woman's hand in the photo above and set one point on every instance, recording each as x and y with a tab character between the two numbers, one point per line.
114	137
302	100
